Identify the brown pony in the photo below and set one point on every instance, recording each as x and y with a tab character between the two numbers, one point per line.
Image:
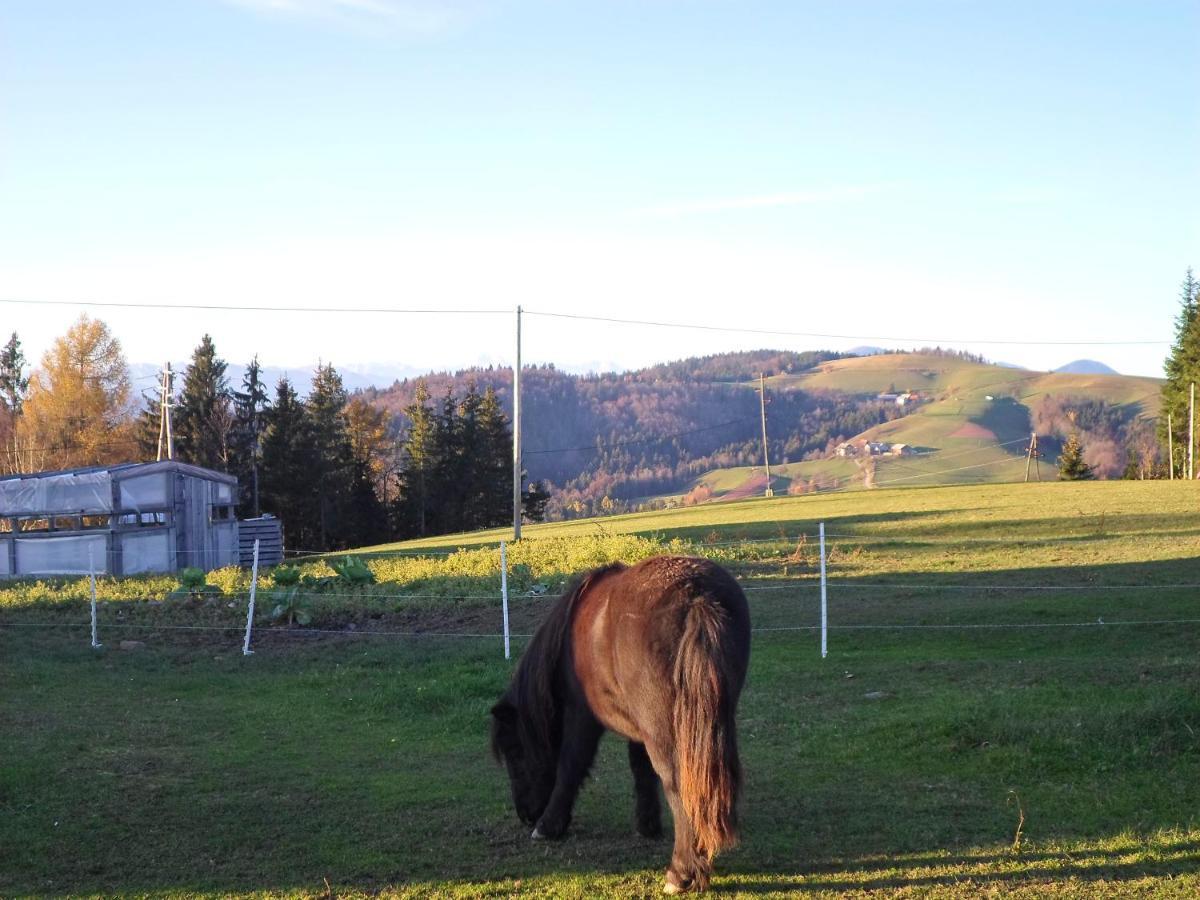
656	652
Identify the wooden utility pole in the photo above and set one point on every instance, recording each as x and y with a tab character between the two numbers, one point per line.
164	415
517	435
1170	450
1191	432
762	405
1032	455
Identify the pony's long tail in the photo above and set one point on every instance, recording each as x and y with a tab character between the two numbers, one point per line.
709	773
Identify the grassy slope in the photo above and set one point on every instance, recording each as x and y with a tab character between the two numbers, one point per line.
947	376
188	769
960	388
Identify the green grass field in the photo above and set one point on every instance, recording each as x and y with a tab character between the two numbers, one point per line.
960	759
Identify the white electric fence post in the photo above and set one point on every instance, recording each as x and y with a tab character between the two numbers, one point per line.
92	580
246	651
824	600
504	596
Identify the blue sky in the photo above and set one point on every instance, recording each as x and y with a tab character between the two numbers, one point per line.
946	170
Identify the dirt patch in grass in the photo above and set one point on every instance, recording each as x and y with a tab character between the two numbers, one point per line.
971	431
751	487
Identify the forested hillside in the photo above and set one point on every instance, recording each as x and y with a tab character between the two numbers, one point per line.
653	431
607	442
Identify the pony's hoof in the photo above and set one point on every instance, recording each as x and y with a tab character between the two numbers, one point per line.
676	885
537	835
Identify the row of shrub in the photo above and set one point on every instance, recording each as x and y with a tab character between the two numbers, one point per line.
535	566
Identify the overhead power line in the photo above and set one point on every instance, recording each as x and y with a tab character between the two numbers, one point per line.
246	308
849	337
695	326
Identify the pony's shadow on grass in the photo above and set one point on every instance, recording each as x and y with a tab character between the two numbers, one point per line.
1071	527
874	864
759	531
1107	872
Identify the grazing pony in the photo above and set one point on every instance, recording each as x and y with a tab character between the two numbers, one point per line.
656	652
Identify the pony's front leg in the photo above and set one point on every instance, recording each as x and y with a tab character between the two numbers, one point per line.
581	737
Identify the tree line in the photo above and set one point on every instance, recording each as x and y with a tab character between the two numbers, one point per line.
1182	370
604	443
337	470
433	455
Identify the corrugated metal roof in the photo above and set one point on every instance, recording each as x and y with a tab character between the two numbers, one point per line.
165	465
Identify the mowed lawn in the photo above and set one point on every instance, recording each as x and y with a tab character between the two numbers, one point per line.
941	760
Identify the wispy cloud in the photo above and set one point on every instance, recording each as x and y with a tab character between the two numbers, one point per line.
757	201
403	16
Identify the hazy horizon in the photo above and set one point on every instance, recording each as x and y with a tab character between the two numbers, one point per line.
925	172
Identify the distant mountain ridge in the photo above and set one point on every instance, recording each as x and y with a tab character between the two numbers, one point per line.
1087	367
355	377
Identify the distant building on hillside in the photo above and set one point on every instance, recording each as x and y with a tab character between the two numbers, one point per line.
118	520
902	450
878	448
846	448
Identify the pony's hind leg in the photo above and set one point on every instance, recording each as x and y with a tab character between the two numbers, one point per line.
690	870
648	814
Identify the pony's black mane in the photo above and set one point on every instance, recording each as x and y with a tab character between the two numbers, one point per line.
536	689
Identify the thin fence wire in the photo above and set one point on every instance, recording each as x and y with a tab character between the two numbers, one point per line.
299	632
800	586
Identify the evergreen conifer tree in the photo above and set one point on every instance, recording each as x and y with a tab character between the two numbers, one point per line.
413	508
495	462
286	480
533	502
1071	466
368	523
1182	369
350	513
13	383
469	476
13	387
334	475
148	426
249	408
448	468
456	464
203	420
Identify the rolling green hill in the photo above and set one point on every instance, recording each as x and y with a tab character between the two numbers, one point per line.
972	425
952	378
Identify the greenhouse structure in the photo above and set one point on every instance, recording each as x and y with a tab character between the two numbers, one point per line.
118	520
